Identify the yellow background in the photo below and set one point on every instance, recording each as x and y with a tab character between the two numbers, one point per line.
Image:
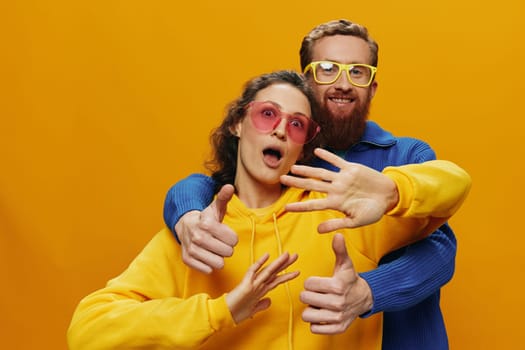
105	104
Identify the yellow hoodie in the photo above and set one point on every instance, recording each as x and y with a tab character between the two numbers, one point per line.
159	303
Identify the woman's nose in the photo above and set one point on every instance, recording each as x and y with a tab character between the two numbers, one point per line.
280	129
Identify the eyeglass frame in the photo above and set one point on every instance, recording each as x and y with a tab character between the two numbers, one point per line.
312	130
342	66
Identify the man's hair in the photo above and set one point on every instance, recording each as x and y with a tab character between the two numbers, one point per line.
336	27
223	161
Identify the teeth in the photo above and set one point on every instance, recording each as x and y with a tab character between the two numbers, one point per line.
341	100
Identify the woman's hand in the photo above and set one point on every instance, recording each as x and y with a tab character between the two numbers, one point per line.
363	194
247	298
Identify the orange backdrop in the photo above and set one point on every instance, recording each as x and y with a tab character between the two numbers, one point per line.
105	104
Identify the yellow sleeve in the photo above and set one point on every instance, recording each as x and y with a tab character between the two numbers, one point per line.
436	188
429	194
143	308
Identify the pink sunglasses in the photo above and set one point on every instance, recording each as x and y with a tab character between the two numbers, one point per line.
266	116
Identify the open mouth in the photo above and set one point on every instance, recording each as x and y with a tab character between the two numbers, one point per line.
272	157
272	153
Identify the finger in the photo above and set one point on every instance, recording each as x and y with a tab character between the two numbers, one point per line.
259	263
305	183
342	260
225	234
198	265
221	202
291	259
320	174
336	224
330	157
311	205
204	256
203	242
278	265
317	300
328	301
210	226
261	305
327	328
314	315
321	285
221	240
283	278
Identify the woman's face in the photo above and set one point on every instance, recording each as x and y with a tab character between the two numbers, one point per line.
263	156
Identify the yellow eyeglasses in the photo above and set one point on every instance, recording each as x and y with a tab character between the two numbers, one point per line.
327	72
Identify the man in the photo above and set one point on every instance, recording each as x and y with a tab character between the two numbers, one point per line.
339	60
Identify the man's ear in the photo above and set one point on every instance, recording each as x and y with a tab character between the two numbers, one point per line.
373	89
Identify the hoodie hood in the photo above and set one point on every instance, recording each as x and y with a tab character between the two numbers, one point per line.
238	210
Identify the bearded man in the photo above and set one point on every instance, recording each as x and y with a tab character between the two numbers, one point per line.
339	60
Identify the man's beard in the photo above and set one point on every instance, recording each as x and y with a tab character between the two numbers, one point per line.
341	132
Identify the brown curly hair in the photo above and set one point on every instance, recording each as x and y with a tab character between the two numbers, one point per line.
223	161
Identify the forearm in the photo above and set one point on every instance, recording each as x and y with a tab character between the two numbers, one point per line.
192	193
111	319
422	268
146	304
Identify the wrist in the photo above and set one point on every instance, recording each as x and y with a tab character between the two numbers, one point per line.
179	227
368	298
393	196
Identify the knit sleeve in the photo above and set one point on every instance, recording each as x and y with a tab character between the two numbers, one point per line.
411	274
192	193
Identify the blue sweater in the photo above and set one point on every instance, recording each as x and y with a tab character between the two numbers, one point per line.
406	284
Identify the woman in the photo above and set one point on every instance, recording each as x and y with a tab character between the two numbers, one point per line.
158	302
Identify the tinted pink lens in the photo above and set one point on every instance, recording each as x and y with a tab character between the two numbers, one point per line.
297	128
266	116
301	129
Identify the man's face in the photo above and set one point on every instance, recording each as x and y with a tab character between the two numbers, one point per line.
344	107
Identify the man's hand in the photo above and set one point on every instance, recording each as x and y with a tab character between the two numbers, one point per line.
205	240
335	302
363	194
247	299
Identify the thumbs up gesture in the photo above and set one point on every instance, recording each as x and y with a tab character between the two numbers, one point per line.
335	302
205	240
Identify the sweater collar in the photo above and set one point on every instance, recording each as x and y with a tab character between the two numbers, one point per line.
377	136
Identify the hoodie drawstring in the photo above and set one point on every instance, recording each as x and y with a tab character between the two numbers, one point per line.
252	243
286	286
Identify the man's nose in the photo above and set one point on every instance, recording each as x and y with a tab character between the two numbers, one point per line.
343	82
